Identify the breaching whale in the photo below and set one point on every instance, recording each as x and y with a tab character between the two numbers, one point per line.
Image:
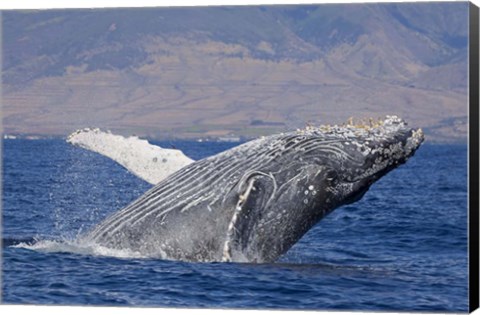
253	202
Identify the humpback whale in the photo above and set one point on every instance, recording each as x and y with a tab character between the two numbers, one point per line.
253	202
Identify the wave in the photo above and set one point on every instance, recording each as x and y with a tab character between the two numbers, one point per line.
8	242
72	246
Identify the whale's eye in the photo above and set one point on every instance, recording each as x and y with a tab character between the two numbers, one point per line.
331	177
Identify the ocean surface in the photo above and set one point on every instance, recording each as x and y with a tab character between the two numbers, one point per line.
402	247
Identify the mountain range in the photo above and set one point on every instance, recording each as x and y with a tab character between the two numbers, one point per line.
247	70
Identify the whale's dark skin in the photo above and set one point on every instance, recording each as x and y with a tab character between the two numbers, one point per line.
253	202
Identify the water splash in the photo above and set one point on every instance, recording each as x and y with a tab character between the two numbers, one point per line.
79	247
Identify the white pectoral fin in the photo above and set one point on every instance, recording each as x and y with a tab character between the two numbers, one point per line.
149	162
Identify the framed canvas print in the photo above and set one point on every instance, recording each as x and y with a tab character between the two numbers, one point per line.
271	157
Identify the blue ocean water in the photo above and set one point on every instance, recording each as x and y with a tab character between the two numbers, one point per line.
402	247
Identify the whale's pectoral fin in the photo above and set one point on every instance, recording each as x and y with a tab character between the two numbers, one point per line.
255	193
149	162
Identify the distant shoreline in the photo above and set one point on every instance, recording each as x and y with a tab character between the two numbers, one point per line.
227	139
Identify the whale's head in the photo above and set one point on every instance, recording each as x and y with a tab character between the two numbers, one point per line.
310	173
365	153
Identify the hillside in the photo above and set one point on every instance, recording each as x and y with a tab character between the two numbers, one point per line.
213	71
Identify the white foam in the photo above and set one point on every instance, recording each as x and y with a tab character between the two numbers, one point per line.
79	247
149	162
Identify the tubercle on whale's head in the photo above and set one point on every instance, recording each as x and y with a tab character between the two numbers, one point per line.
387	146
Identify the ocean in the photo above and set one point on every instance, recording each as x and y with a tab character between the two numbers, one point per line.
402	247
